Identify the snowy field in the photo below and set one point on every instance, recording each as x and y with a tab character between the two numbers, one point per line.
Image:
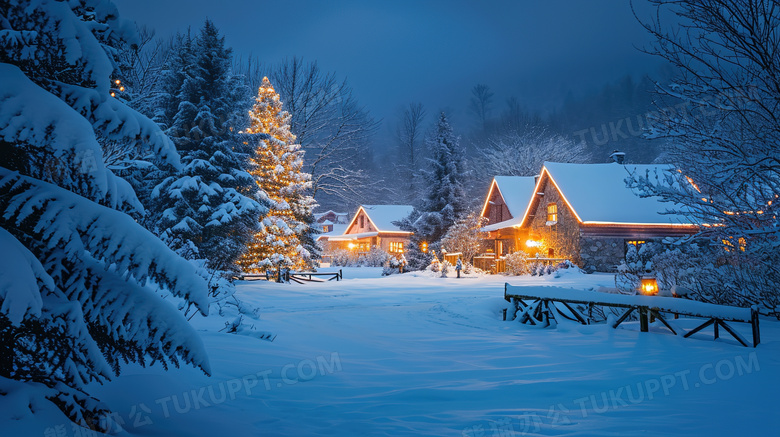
416	355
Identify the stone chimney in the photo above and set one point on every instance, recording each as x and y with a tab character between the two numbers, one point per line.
618	157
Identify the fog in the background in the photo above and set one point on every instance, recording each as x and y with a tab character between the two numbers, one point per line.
433	52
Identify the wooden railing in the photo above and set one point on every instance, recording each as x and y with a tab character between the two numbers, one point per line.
543	300
287	276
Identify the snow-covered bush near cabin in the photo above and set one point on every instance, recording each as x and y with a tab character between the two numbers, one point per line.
375	257
638	262
713	273
445	268
80	280
517	264
343	258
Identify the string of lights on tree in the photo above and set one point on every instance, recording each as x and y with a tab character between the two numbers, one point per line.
277	168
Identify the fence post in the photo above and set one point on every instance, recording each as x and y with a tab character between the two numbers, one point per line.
754	324
643	325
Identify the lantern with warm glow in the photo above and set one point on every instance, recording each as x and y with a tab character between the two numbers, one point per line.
648	286
424	247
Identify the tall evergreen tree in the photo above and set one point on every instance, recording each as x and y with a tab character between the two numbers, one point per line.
208	209
277	169
444	195
79	279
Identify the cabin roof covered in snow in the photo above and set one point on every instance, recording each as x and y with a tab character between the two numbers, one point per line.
330	211
598	193
515	190
338	229
383	216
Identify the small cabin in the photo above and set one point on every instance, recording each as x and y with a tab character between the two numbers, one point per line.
586	213
372	227
503	209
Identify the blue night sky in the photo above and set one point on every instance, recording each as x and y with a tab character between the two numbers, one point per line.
434	52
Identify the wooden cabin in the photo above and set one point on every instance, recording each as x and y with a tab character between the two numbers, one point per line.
587	214
372	226
331	221
504	207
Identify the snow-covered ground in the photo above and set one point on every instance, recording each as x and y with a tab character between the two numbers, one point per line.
418	355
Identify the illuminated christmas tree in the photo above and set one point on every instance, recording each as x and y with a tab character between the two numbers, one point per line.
277	169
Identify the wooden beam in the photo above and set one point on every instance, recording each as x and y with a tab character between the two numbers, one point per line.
623	317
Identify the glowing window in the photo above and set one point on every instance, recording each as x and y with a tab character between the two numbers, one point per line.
636	243
396	247
552	212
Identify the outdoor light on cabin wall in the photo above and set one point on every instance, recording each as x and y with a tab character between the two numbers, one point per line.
532	243
648	286
351	246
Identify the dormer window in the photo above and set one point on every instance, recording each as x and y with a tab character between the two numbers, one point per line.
552	214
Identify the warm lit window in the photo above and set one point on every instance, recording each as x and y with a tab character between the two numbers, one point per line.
396	247
636	243
552	212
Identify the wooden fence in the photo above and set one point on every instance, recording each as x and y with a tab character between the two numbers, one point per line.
535	305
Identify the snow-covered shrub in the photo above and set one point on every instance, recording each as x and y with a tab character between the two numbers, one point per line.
375	257
465	236
517	263
636	264
445	268
393	265
343	258
710	273
417	259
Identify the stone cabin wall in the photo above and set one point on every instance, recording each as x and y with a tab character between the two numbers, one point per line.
564	236
603	253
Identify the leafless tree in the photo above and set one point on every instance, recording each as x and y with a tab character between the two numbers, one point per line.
480	103
143	65
522	153
331	126
409	132
726	135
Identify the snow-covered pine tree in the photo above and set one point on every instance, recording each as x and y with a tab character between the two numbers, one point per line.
277	169
208	209
444	194
79	278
